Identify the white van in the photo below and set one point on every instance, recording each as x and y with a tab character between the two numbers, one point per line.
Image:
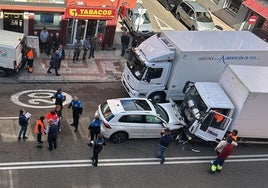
11	51
136	23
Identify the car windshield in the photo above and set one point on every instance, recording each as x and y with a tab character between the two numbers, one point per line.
203	17
161	112
135	105
144	16
136	66
106	111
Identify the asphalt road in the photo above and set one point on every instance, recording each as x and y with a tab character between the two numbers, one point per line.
128	165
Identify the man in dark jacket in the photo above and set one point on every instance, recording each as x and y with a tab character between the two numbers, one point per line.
54	63
52	133
165	140
77	108
125	39
97	148
94	128
94	42
59	98
23	122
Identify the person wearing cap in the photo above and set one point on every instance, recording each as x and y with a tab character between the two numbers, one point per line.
59	98
52	132
165	140
77	108
94	128
39	130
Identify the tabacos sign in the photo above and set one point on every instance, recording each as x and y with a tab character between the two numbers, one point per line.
3	53
89	13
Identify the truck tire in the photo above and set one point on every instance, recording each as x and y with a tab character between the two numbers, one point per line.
193	28
3	72
158	97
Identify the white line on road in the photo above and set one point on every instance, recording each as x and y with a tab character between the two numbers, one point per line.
125	162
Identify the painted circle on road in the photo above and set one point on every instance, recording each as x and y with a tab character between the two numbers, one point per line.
39	98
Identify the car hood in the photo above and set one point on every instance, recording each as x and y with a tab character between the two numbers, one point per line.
205	26
173	113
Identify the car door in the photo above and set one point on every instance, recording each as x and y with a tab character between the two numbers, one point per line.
132	124
153	126
190	18
185	9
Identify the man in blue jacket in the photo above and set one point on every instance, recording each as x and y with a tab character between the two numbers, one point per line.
77	108
165	140
23	122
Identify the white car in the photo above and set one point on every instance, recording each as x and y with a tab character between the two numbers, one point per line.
126	118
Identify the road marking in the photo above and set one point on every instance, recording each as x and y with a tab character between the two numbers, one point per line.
161	22
125	162
38	98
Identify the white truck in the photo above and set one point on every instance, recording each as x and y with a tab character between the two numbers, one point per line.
239	97
159	66
11	51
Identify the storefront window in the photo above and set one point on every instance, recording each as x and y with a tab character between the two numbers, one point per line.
233	5
51	21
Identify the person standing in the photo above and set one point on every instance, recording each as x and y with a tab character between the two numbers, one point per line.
23	122
44	34
222	156
94	41
101	38
61	55
58	111
165	140
50	45
77	109
59	98
39	130
30	59
97	148
56	41
54	63
94	128
52	133
86	47
125	39
77	50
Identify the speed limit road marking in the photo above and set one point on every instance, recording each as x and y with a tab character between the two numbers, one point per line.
37	98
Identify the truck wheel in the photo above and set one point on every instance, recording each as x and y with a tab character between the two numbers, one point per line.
193	28
158	97
3	73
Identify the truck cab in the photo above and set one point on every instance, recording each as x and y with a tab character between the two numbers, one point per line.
206	110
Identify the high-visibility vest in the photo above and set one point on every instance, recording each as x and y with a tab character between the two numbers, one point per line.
30	54
39	122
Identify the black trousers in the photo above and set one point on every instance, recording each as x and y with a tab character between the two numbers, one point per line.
95	157
75	120
39	138
93	134
52	141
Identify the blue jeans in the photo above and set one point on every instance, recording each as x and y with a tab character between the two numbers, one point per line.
161	152
23	130
124	47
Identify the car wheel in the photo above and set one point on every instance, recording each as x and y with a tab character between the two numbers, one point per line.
119	137
193	28
178	16
158	97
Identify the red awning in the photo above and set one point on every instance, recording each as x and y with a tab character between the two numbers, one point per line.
258	6
33	8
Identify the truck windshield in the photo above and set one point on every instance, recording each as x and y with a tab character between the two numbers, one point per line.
192	104
136	66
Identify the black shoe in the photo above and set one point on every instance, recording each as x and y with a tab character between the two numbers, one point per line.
49	72
72	124
210	172
25	137
50	149
162	162
19	138
93	56
75	130
89	144
94	164
57	74
39	146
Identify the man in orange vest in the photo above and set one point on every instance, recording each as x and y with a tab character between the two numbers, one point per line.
39	129
30	59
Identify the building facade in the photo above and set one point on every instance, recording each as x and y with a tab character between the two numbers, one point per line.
239	14
72	19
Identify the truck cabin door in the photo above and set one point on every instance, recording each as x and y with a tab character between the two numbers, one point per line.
214	125
155	78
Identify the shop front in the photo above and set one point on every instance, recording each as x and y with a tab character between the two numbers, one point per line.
84	22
